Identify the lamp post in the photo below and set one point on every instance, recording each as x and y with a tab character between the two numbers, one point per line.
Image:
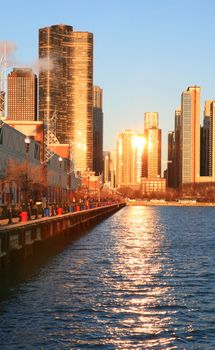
88	184
27	144
60	181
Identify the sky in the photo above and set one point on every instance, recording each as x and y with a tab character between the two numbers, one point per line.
146	52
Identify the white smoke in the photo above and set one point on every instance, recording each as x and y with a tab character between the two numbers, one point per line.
8	49
42	65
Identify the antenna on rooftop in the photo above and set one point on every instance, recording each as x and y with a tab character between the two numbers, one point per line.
50	137
3	80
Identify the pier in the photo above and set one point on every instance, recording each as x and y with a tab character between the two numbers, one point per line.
20	241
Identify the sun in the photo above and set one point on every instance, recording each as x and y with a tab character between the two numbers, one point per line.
139	142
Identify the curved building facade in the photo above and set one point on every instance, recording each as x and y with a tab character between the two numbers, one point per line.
66	87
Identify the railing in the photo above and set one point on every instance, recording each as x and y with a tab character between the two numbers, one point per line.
34	213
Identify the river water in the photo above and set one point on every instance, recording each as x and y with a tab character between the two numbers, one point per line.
142	279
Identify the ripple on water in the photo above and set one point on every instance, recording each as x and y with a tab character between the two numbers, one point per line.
142	279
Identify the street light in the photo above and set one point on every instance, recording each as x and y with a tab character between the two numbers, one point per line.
60	181
27	145
88	184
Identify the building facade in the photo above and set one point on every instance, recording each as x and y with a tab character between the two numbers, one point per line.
97	130
13	163
106	170
151	167
208	140
16	161
171	159
156	185
190	135
151	120
66	88
113	169
22	95
177	148
128	155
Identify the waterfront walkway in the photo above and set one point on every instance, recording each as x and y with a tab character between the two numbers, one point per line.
16	220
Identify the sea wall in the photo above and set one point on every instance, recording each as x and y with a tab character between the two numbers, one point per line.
21	241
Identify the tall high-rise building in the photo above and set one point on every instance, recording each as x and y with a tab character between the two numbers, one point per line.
208	140
151	180
150	120
151	167
177	149
190	135
151	162
113	169
212	141
66	88
97	130
139	143
22	94
106	170
171	159
128	154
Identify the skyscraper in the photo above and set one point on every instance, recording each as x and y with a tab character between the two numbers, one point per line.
151	164
152	154
208	140
97	130
22	94
177	148
190	135
113	169
66	87
150	120
106	170
128	169
139	143
171	158
212	141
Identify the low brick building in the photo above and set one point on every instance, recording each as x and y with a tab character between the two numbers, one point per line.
153	185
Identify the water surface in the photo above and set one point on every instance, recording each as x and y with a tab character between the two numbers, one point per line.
142	279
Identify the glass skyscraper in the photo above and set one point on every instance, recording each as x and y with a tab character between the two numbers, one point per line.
150	120
97	130
190	135
66	88
151	165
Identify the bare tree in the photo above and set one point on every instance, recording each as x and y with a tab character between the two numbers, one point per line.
30	181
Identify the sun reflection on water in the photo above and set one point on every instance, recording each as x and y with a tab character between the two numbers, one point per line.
138	290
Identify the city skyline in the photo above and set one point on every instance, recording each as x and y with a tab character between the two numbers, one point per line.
140	68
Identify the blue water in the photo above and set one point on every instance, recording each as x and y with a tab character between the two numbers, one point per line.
142	279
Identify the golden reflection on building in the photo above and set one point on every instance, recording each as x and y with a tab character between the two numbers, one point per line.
152	154
98	130
190	135
130	146
66	87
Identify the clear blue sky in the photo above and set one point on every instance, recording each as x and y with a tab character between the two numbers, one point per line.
146	51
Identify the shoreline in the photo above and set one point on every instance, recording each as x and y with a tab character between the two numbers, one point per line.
170	204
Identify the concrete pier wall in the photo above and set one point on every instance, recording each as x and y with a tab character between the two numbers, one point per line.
21	241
